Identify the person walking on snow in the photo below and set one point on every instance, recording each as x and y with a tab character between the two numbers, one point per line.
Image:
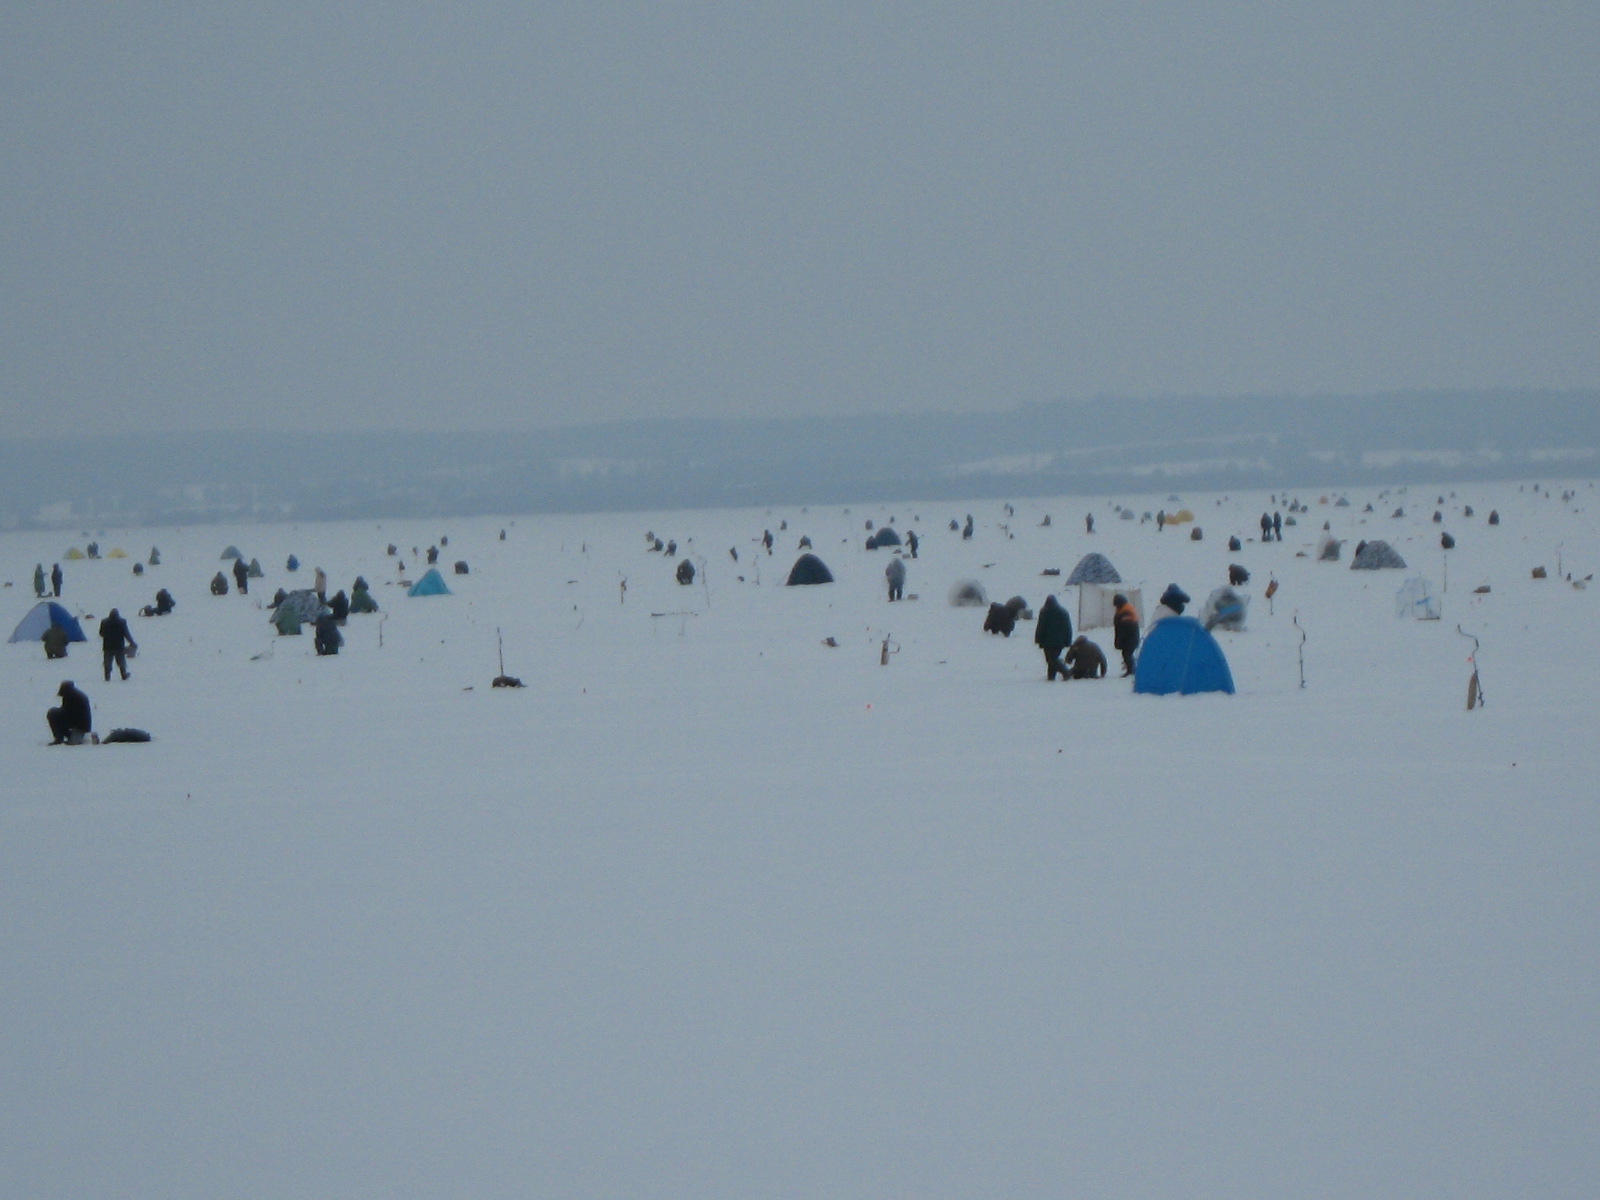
1052	633
116	643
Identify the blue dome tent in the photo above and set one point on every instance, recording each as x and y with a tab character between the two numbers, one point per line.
1178	655
43	615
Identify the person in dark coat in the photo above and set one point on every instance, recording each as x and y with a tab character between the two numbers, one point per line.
1086	660
1052	633
1000	620
1266	527
164	602
70	722
328	639
1125	631
116	643
241	576
911	542
55	641
55	579
38	581
1277	526
1173	599
340	604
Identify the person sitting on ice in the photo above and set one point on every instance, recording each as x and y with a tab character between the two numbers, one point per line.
328	639
71	722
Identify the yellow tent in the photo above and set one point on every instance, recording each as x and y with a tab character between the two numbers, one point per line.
1179	517
74	554
119	552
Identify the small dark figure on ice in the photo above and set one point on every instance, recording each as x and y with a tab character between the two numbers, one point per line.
328	639
116	643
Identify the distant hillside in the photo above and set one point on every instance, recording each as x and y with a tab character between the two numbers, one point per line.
1061	448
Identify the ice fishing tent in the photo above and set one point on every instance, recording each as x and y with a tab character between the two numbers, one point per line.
1328	548
968	593
1416	599
884	537
431	584
807	570
1376	556
231	552
302	605
1178	655
1094	568
43	615
1225	608
76	555
1096	609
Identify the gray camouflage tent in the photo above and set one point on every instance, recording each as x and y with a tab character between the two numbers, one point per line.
1376	556
1094	568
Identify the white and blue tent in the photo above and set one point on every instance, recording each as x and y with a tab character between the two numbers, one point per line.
43	615
1417	600
1178	655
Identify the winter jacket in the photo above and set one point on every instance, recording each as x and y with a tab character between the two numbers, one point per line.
1052	629
1125	627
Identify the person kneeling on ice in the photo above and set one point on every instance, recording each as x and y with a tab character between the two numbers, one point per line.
328	639
71	722
1085	660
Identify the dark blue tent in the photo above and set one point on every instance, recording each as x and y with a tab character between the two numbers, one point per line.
809	569
43	615
1178	655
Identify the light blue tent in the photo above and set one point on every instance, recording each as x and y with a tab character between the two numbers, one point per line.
431	584
43	615
1178	655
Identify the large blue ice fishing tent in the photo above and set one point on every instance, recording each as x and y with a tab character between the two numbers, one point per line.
1178	655
43	615
431	584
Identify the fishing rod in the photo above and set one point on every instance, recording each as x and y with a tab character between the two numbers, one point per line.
1475	697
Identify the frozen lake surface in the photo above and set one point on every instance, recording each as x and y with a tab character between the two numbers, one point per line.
712	908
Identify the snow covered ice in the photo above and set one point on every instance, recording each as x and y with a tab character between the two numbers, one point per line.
711	908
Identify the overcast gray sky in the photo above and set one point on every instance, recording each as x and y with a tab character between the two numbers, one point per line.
357	215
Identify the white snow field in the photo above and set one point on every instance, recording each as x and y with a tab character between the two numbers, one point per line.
713	909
